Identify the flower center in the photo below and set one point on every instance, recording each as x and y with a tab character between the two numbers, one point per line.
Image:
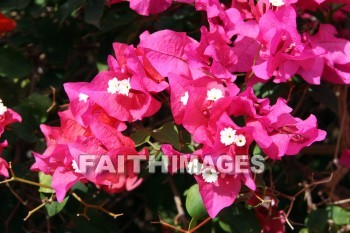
119	86
184	98
83	97
292	130
227	136
277	3
290	48
214	94
240	140
299	138
210	175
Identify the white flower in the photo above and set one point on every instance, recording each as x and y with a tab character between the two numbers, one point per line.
113	86
277	3
240	140
194	167
214	94
83	97
121	87
3	108
227	136
184	98
210	175
124	87
75	166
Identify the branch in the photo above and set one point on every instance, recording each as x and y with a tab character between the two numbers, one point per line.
86	205
169	225
53	99
293	198
165	224
92	206
15	178
45	201
16	195
177	199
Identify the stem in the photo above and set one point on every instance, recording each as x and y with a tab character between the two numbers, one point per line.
31	212
200	225
86	205
32	183
153	146
177	199
254	62
92	206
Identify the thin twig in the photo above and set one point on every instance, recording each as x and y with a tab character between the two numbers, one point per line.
16	195
293	198
53	99
177	199
200	225
86	205
45	201
92	206
341	201
165	224
15	178
9	218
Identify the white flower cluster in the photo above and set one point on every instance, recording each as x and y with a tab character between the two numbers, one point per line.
184	98
119	86
214	94
228	137
83	97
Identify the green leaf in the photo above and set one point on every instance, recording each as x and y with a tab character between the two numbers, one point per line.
141	136
55	207
168	133
194	203
225	226
193	223
112	21
38	103
13	64
81	187
238	219
26	130
257	150
339	215
46	180
40	2
317	221
94	11
101	66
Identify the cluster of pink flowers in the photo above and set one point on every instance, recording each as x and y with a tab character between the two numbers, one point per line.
7	117
100	136
208	114
260	40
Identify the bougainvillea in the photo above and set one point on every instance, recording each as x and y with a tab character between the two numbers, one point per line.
206	87
203	95
7	117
